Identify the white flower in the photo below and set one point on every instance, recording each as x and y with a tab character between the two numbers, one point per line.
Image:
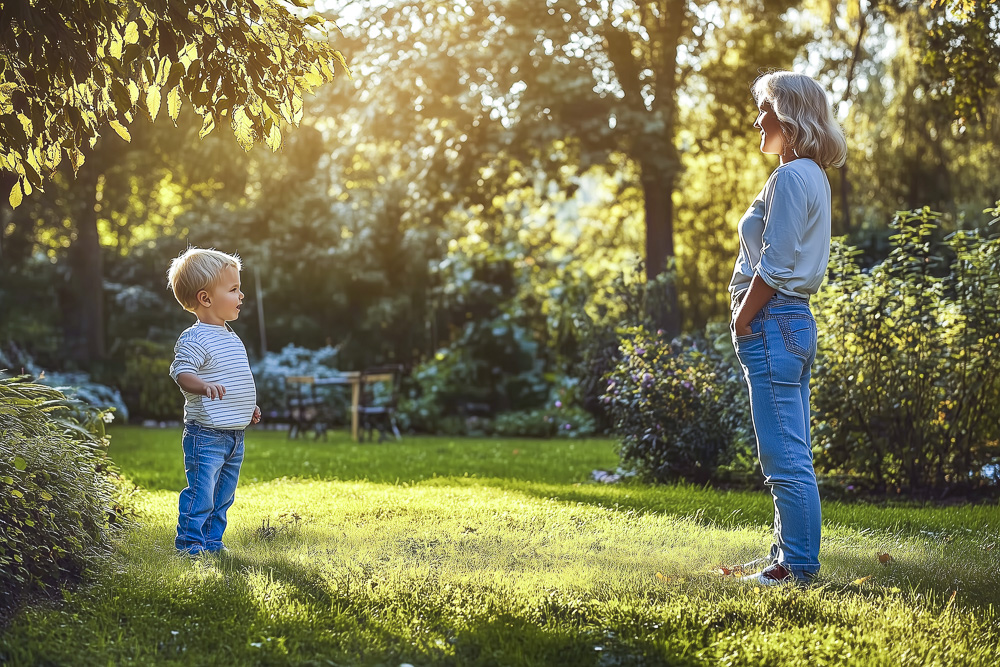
108	417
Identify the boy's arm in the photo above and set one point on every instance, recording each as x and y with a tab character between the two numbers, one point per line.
193	384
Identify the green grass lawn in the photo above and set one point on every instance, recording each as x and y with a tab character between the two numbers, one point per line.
438	551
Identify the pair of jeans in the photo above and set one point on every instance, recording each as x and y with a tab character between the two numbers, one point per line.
212	459
777	358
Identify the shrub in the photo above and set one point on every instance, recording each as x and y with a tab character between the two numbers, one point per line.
556	422
906	385
59	504
492	367
680	408
148	389
75	385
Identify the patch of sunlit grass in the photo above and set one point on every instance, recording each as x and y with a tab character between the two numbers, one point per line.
506	562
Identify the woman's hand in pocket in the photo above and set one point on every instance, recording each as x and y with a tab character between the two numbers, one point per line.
739	329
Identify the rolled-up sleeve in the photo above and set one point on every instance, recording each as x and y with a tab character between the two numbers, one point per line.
189	357
785	218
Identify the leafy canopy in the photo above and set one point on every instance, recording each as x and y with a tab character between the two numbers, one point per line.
70	69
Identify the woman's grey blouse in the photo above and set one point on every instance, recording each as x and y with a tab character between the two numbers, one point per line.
785	234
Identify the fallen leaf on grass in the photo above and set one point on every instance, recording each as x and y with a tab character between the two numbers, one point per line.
861	580
734	571
884	559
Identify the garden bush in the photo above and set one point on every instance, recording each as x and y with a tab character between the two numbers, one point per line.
146	385
906	386
59	501
679	408
492	367
556	422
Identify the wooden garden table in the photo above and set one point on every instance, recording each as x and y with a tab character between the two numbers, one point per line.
352	378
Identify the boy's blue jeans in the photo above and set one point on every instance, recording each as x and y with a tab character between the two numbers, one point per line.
776	358
212	459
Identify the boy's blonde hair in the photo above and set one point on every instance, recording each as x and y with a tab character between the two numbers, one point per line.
806	118
197	269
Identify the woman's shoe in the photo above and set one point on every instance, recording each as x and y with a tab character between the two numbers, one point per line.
775	575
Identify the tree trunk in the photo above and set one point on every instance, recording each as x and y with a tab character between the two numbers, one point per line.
658	189
7	181
83	295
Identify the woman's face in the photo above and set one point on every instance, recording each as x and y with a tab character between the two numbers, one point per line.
772	142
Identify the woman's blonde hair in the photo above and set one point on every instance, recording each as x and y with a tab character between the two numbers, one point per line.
197	269
806	117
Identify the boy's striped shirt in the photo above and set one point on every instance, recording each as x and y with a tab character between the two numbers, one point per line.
216	354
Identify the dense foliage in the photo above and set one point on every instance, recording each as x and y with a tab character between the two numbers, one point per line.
146	385
59	501
907	378
70	70
679	408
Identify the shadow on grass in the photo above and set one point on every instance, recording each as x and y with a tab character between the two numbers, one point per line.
413	626
752	508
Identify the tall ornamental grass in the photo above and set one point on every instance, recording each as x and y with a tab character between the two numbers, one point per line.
59	502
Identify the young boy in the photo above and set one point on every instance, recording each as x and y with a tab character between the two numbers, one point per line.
211	367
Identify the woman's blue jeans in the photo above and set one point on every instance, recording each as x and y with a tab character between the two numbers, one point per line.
776	358
212	459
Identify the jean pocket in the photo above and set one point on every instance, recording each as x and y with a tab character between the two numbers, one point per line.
798	332
755	335
210	438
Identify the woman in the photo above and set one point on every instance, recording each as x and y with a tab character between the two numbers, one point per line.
784	249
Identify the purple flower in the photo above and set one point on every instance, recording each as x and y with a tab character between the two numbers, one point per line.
558	404
647	377
640	351
686	384
659	332
567	426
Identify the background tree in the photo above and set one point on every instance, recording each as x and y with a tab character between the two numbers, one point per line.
562	85
71	71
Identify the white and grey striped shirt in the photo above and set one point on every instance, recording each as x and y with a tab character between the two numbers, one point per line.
216	354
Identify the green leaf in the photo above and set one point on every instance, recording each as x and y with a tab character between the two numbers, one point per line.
206	127
174	103
133	92
20	463
274	138
121	130
132	33
15	195
153	102
243	129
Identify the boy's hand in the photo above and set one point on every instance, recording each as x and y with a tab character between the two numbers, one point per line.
214	390
256	415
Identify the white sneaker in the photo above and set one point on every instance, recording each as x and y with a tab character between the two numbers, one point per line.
775	575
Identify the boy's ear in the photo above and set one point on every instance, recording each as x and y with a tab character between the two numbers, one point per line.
202	298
